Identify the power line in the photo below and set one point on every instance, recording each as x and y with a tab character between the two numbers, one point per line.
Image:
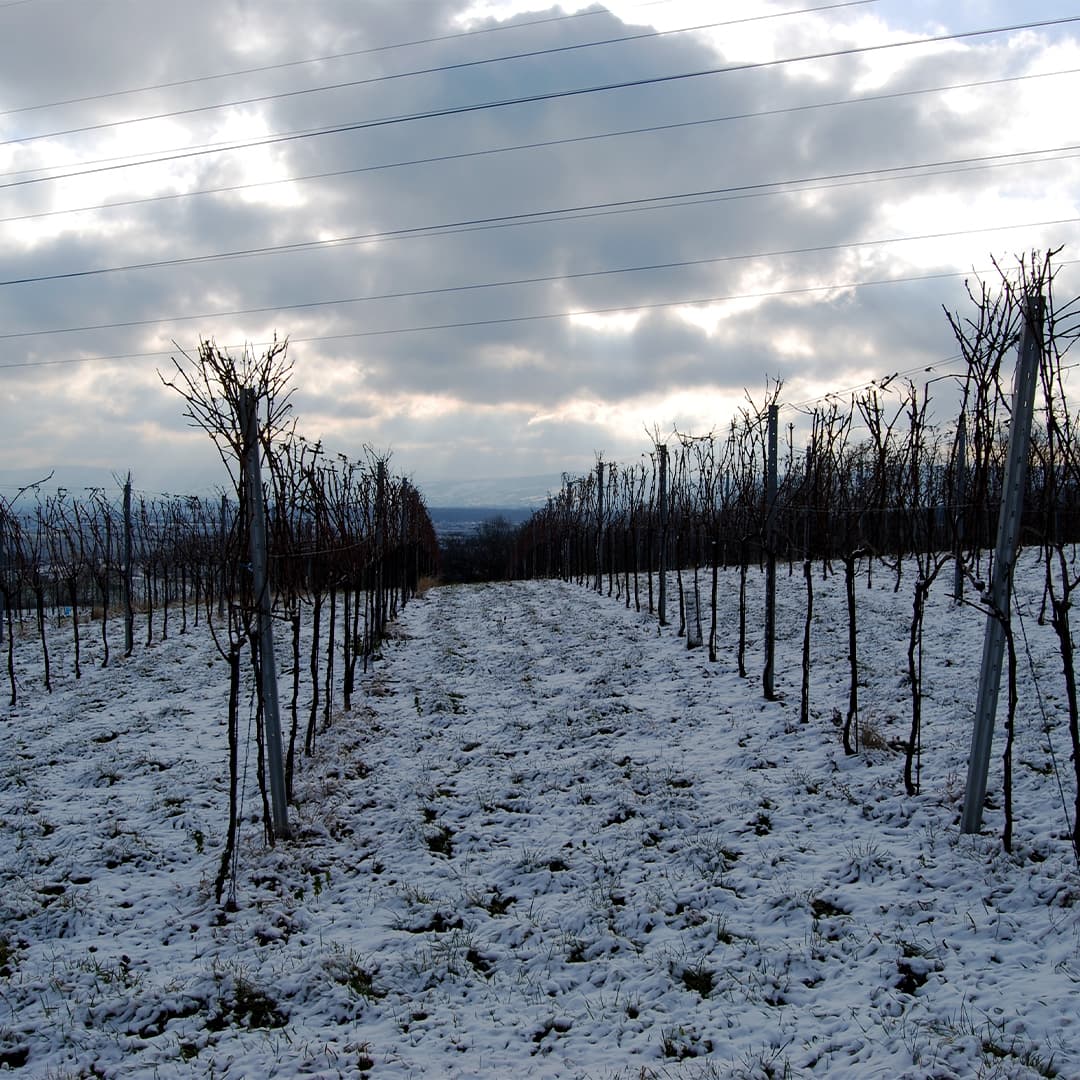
531	215
193	80
126	356
440	69
462	110
656	306
437	159
549	316
541	280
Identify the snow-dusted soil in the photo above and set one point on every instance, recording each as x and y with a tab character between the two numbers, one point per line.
547	841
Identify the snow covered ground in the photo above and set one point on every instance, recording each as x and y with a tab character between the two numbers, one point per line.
548	841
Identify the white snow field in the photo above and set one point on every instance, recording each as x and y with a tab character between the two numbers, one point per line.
547	841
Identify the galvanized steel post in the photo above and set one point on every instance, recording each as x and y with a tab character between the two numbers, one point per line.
261	587
768	676
1012	503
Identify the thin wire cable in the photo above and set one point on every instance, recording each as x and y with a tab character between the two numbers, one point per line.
440	158
129	160
1046	730
462	110
375	79
530	146
688	302
537	280
193	80
555	214
622	309
834	394
235	861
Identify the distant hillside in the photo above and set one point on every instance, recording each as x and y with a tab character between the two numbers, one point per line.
506	494
526	492
465	520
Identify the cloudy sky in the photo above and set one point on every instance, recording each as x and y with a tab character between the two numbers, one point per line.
697	195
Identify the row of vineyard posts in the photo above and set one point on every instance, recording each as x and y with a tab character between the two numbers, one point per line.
344	539
908	496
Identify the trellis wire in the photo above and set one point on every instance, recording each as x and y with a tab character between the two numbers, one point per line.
234	870
1046	729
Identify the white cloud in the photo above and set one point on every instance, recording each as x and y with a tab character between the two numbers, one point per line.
495	389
